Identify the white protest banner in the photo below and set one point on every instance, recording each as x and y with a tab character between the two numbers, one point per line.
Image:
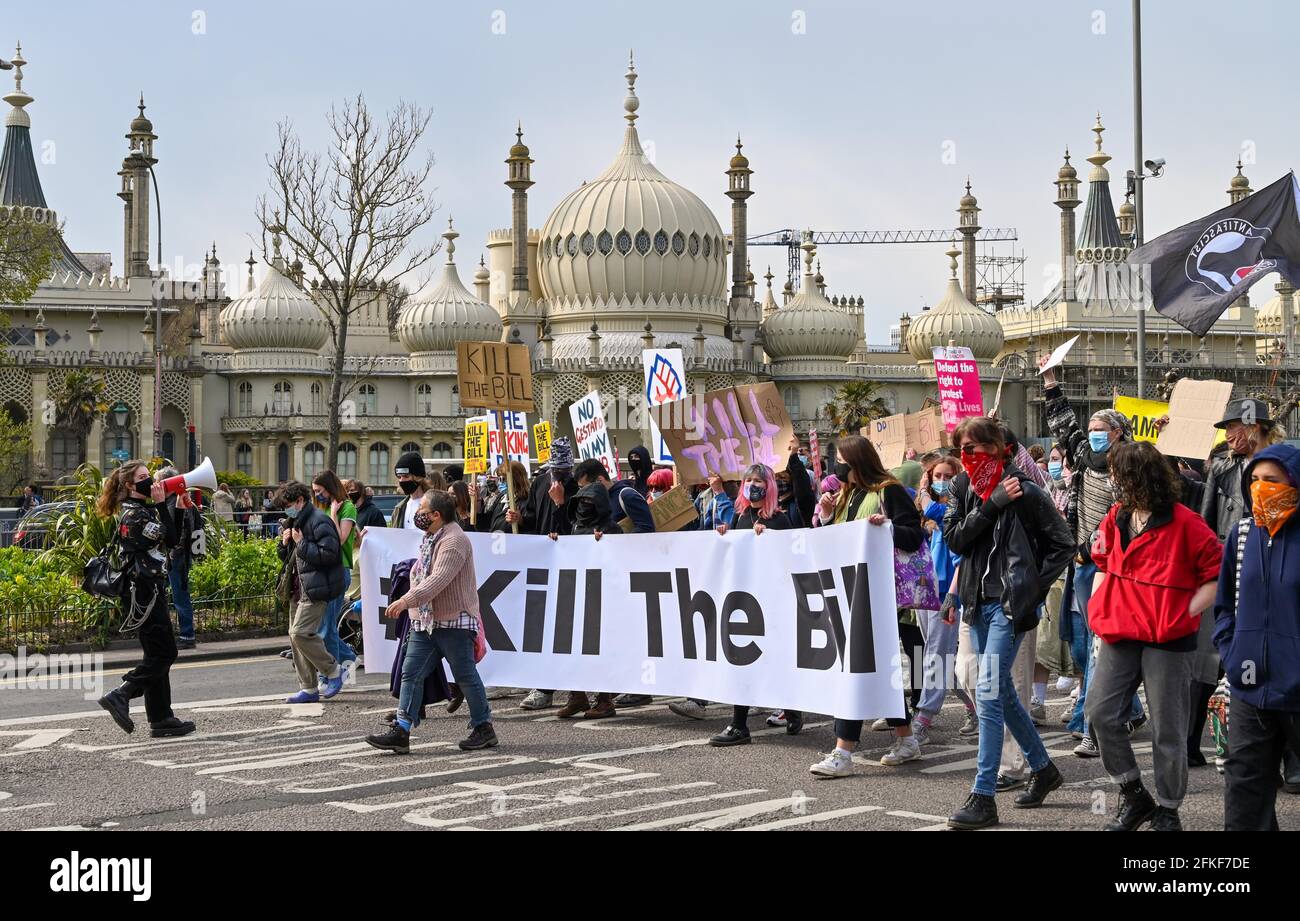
591	433
802	619
958	377
665	381
1058	355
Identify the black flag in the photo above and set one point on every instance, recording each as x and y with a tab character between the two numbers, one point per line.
1198	270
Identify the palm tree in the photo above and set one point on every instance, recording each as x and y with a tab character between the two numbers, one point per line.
78	402
855	404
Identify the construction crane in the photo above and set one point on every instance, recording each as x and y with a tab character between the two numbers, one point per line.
1001	292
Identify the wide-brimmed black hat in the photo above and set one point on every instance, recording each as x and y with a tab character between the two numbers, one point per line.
1248	412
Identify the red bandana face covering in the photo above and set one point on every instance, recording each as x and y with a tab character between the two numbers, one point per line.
985	472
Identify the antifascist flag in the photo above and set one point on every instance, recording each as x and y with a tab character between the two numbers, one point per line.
1198	270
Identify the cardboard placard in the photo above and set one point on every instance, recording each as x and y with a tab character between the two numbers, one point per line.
925	430
494	375
670	511
542	441
591	435
1193	409
476	446
889	437
725	431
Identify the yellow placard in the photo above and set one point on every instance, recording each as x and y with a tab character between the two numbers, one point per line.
476	447
542	441
1142	415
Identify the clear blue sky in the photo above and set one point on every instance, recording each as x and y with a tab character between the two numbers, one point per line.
846	109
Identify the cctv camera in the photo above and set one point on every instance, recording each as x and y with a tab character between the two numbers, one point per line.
1156	167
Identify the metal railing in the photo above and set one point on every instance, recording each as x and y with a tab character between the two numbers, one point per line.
94	623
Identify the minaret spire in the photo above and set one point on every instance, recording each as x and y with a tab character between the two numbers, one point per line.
630	102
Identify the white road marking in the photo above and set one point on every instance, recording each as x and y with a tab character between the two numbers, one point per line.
723	818
635	810
702	739
190	705
813	818
917	815
423	818
295	710
38	738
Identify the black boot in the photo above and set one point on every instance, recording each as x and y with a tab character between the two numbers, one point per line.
170	727
1041	783
732	735
479	737
1136	807
793	722
118	704
396	740
979	811
1166	819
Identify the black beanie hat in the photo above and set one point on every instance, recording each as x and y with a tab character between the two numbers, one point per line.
453	472
411	462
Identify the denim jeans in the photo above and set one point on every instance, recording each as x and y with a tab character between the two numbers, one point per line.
329	628
1082	646
178	579
424	653
996	701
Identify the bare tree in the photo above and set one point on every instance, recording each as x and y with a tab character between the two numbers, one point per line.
350	214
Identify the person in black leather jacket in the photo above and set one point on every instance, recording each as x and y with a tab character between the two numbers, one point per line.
319	558
1013	544
147	529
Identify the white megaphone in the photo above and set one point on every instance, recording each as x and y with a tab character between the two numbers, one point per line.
202	477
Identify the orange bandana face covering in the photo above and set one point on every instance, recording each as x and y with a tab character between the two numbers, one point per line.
1272	504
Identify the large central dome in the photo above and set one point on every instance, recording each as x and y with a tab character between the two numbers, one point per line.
631	233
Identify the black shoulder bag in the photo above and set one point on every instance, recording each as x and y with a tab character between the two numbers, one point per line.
102	576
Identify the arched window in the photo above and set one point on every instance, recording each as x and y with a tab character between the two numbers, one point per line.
317	400
411	446
283	405
791	397
442	450
67	452
15	411
424	400
119	446
369	401
313	460
169	446
244	459
455	399
346	467
379	472
245	399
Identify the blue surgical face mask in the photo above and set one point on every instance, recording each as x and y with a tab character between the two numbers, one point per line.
1099	442
1054	469
940	487
502	486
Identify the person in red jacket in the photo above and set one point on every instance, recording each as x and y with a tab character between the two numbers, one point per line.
1157	571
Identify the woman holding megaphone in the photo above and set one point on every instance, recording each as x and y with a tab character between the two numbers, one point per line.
146	530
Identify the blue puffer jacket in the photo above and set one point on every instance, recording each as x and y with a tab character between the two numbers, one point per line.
1258	634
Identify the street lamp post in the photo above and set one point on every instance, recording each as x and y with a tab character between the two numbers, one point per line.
157	336
1137	193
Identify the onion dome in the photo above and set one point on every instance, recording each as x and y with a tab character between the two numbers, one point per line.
1067	170
954	319
141	124
519	148
809	326
276	314
631	233
739	161
444	313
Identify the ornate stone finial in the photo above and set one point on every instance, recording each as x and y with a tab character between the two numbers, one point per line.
769	276
251	262
952	253
1099	158
18	63
450	235
141	104
630	101
18	98
94	326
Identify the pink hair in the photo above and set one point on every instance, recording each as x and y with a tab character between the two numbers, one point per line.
660	479
768	507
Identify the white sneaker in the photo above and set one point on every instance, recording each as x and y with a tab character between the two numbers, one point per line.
881	725
1066	684
690	709
904	749
776	719
920	732
500	693
536	700
836	764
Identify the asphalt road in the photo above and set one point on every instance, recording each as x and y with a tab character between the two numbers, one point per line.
257	763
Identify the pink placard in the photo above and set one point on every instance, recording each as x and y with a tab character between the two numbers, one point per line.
958	378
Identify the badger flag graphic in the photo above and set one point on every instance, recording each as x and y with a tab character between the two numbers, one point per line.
1198	270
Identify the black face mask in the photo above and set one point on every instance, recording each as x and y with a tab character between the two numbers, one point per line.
143	486
842	472
408	486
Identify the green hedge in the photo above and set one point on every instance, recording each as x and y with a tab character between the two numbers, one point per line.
241	568
30	583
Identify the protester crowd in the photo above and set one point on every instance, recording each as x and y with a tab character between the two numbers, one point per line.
1095	558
